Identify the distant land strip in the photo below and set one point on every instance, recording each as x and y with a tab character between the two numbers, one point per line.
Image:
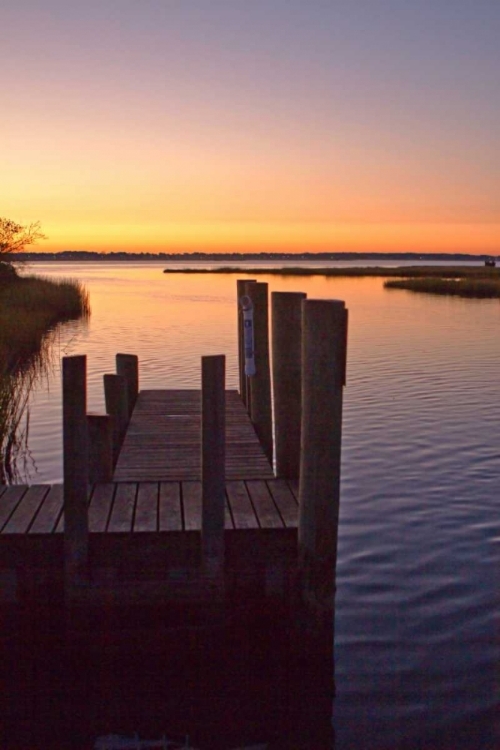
477	282
199	257
441	272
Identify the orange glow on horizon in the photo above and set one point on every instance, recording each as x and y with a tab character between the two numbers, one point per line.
289	237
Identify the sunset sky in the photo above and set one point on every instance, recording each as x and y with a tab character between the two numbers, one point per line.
179	125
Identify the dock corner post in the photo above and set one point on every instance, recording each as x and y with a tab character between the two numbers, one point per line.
116	400
286	326
213	464
324	348
75	471
128	366
260	383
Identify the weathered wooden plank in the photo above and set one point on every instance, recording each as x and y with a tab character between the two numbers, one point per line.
163	439
191	503
241	507
101	502
25	512
50	512
146	511
265	509
123	508
285	502
170	513
9	501
228	518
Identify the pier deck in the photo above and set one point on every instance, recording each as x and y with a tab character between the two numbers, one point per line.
154	507
163	439
146	524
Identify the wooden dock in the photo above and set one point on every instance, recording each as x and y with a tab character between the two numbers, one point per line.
163	439
172	547
155	498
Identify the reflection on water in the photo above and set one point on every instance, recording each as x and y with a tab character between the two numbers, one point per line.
17	387
418	577
14	427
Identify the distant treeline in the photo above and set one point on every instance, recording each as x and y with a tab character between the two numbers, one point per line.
80	255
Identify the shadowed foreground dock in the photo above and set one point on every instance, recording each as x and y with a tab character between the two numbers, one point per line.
173	582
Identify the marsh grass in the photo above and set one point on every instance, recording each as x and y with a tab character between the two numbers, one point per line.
30	310
452	272
477	288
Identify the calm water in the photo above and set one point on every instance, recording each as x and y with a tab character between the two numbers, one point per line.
418	616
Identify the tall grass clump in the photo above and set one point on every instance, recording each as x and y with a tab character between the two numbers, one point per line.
474	288
29	308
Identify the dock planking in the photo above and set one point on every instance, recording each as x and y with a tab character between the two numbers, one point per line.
154	507
163	440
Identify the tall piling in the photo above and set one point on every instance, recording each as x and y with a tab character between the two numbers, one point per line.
324	347
286	321
240	291
260	383
75	470
213	465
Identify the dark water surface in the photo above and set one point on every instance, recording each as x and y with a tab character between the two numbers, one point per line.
418	579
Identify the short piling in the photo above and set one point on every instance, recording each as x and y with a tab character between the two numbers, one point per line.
213	457
115	396
75	470
100	430
128	366
260	383
324	344
286	320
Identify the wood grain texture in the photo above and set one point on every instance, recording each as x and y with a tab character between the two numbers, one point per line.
163	440
153	507
101	502
26	510
9	500
50	511
123	508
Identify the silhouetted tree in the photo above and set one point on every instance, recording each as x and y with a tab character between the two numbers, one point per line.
14	238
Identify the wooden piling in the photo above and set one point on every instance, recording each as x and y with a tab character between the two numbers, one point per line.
240	291
100	431
213	457
324	339
75	470
115	395
260	383
287	380
128	366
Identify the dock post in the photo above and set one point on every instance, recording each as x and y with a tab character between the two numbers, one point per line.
286	321
243	288
115	395
213	465
100	430
260	383
240	291
128	366
324	348
75	470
